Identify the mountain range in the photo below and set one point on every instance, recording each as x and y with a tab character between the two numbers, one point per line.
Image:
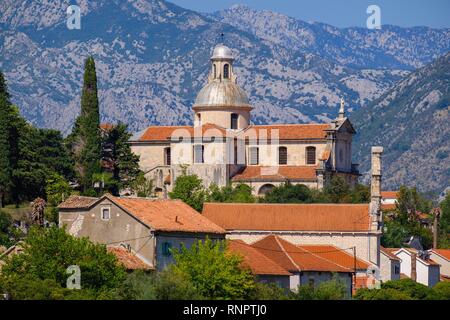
152	58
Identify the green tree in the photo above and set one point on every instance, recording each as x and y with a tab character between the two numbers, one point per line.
214	272
442	290
57	189
189	189
241	193
142	186
337	190
444	223
334	289
8	233
288	193
47	252
85	140
116	152
5	128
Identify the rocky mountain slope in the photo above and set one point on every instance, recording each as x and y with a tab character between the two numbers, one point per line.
412	122
153	57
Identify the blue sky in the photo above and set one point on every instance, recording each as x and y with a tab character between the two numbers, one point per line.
342	13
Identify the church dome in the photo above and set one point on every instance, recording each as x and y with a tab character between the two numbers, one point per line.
222	52
222	93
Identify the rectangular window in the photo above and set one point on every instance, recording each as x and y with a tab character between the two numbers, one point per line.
166	249
311	282
106	215
254	155
396	269
311	155
234	121
199	151
282	155
167	157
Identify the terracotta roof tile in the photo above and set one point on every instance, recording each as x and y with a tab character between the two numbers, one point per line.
289	217
78	202
162	133
167	215
258	263
389	253
443	252
388	206
128	259
389	194
106	126
289	131
277	173
296	258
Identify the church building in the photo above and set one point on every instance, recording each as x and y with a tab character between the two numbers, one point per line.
223	146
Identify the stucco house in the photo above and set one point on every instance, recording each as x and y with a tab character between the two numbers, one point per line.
223	146
442	256
421	269
147	228
303	264
389	265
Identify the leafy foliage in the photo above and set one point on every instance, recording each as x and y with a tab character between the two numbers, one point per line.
333	289
241	193
8	234
142	186
189	189
48	252
444	223
214	273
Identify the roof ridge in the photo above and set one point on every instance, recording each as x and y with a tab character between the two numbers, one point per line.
326	259
287	254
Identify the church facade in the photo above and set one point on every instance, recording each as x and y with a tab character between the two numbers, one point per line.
223	146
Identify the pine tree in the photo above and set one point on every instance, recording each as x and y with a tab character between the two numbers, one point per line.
5	128
118	157
85	139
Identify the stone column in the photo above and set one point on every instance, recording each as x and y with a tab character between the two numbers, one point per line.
375	187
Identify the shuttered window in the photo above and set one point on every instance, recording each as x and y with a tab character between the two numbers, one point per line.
199	151
254	155
167	157
282	155
310	155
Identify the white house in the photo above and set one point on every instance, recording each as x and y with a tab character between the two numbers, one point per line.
389	265
442	256
425	271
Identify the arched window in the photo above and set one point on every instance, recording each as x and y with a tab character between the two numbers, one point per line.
167	156
310	155
226	71
234	120
265	189
253	155
199	151
282	155
215	70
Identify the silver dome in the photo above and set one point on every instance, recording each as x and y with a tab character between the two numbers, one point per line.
222	52
222	93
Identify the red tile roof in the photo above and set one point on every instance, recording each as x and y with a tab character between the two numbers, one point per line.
258	263
167	215
289	217
106	126
289	131
388	252
442	252
78	202
128	259
388	206
161	133
389	194
296	258
277	173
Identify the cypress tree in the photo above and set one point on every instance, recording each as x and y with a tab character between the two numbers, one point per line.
85	138
5	166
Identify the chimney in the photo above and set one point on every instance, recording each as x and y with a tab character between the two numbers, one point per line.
413	266
375	185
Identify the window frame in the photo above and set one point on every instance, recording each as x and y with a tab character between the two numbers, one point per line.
307	155
102	210
166	246
226	71
279	155
202	153
234	119
250	162
167	156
